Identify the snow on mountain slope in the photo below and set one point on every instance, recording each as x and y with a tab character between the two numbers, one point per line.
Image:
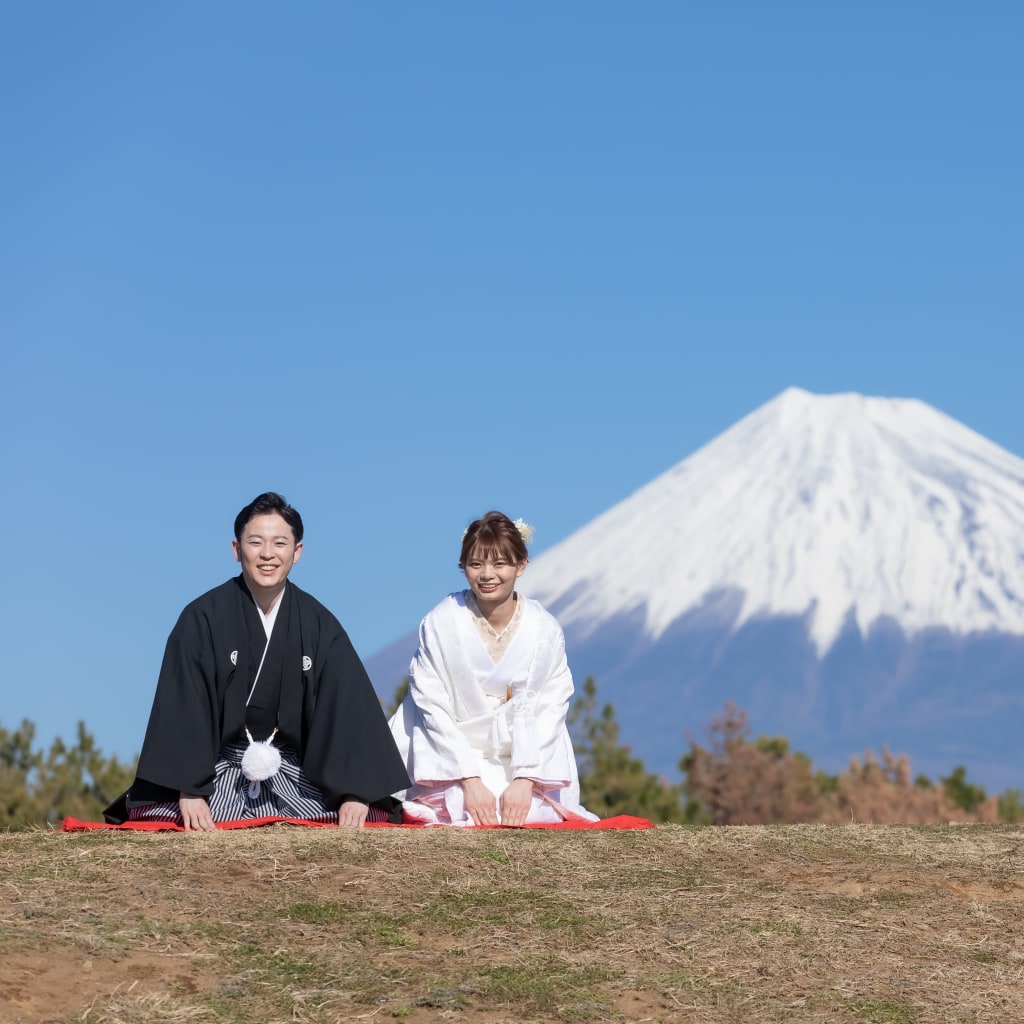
824	506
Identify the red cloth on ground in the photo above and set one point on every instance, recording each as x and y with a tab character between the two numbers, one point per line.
620	821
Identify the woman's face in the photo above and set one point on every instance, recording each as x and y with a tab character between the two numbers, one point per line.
492	577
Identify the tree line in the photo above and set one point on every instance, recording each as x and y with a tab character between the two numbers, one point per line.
738	780
734	779
37	788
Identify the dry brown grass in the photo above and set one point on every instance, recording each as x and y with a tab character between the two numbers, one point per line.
865	924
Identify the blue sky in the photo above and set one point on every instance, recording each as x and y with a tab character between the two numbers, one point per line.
408	262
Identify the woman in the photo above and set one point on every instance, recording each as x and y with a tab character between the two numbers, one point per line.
482	729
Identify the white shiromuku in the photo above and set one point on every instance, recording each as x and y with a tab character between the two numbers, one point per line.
466	716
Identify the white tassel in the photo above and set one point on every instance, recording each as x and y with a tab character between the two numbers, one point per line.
261	761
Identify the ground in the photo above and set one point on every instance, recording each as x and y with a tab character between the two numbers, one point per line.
870	924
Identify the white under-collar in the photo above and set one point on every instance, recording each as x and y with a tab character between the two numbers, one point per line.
269	618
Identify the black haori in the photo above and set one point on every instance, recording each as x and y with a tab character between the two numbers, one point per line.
313	689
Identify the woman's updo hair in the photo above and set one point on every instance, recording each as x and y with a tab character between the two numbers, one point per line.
493	536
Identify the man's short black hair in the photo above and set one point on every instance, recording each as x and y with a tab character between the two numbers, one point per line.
266	504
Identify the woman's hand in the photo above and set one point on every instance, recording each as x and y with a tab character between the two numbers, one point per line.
516	802
195	813
352	813
480	802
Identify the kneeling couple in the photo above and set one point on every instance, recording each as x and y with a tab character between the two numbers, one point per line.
263	708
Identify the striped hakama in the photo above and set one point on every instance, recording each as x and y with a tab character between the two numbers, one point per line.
288	794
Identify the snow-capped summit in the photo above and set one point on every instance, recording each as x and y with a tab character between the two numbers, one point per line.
836	508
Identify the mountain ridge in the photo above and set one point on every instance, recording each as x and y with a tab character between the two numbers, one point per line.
758	503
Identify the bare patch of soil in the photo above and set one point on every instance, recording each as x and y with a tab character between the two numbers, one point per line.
870	924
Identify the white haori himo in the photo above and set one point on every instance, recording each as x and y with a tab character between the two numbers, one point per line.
466	716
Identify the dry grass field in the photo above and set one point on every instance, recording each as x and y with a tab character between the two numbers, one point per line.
859	924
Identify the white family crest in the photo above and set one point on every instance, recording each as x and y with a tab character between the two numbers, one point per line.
307	663
234	657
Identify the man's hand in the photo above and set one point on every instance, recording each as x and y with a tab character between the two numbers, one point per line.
352	813
516	802
195	813
480	802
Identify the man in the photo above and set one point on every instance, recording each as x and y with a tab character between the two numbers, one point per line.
262	707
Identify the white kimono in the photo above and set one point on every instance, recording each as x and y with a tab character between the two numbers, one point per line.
466	716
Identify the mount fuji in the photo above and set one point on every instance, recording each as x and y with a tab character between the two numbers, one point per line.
848	570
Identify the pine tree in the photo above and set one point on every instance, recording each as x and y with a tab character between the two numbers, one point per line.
76	781
612	780
397	697
960	791
18	763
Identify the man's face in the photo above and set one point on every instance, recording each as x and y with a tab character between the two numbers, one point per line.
267	552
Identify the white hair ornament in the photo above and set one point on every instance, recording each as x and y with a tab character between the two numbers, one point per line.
525	530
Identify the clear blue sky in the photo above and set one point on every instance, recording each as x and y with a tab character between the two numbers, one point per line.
409	262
